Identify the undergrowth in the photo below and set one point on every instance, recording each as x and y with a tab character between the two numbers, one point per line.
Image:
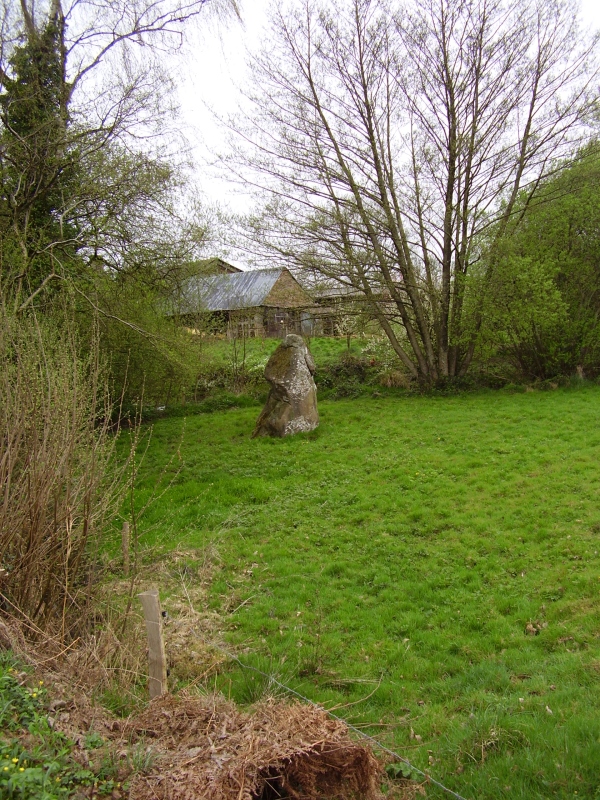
36	761
231	375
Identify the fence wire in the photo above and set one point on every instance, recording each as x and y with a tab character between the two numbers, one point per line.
357	731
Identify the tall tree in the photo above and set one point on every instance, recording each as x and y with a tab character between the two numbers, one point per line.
35	151
80	85
542	316
389	139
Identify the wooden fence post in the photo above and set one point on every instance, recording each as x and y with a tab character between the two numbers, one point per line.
157	662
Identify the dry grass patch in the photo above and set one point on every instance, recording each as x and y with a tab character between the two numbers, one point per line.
112	663
208	748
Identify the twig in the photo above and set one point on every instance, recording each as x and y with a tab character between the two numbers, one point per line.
247	600
355	702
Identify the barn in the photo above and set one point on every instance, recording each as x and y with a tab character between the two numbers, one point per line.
257	303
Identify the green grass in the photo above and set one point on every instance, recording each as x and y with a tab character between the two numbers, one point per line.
401	550
220	352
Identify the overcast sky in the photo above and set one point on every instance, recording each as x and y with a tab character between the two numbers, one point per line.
209	84
214	68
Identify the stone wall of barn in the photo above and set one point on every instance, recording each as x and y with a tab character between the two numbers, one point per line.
287	293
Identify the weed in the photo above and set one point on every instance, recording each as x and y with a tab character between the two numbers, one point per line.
257	680
121	701
93	740
42	770
142	758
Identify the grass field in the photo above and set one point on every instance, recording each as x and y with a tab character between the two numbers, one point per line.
437	556
220	352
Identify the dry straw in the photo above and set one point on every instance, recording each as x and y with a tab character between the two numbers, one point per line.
209	748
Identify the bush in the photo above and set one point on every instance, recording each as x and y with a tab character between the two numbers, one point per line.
346	370
56	474
394	379
152	359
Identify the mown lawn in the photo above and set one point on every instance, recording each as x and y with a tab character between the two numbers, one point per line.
402	551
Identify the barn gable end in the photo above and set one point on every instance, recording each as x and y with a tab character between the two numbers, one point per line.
286	292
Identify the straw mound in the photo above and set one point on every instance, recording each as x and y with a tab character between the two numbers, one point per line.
209	749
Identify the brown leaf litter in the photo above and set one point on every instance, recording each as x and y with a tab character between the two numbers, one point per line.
534	627
208	748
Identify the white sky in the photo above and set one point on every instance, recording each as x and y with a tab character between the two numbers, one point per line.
210	74
212	71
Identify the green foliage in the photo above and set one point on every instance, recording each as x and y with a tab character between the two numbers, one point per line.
35	760
38	163
346	376
543	299
19	704
33	98
84	215
344	368
152	360
400	551
400	771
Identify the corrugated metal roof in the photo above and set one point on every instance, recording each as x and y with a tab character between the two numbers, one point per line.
228	292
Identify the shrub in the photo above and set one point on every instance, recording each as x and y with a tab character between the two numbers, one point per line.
394	379
56	479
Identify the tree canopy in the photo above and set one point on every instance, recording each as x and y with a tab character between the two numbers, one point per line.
81	97
542	304
94	197
388	141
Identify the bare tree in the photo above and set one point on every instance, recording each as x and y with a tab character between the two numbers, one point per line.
398	144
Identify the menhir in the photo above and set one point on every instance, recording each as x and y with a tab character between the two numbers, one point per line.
292	403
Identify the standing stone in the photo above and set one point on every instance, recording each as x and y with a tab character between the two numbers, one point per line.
292	403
